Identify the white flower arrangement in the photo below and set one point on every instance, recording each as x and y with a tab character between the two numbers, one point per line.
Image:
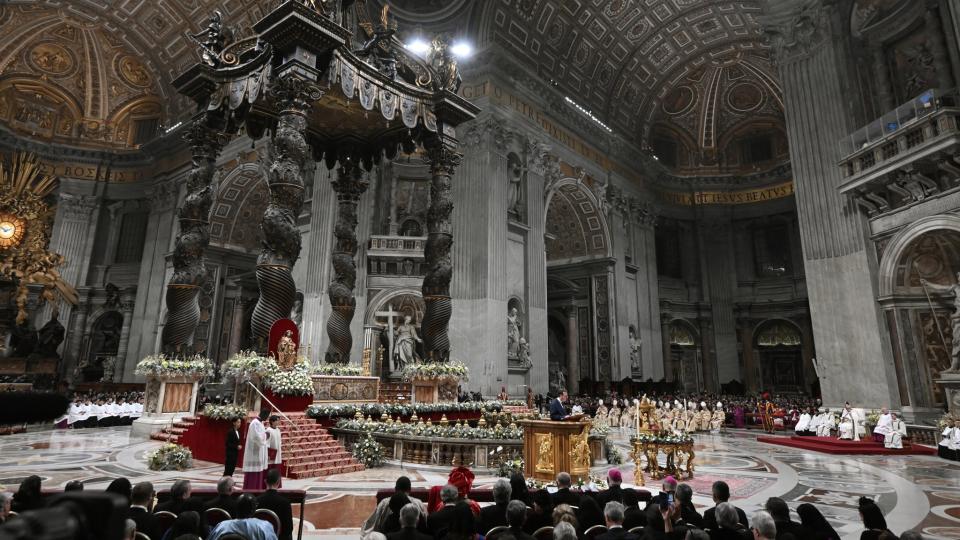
296	382
393	409
456	431
247	365
162	365
337	370
444	371
369	452
224	412
170	457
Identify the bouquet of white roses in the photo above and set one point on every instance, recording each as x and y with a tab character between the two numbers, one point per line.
170	457
245	365
435	371
160	364
224	412
296	382
337	370
369	452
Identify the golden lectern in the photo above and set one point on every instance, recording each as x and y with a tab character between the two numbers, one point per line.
551	447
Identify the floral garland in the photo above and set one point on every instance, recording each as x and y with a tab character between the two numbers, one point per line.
506	465
224	412
245	365
162	365
872	418
170	457
337	370
662	439
444	371
369	452
396	409
456	431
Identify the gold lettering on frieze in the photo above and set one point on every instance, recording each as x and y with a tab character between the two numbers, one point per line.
747	196
91	172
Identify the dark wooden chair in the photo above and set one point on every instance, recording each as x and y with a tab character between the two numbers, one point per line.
543	533
493	533
270	517
164	521
636	530
593	532
141	536
215	515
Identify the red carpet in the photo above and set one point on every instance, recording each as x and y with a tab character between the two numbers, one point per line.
830	445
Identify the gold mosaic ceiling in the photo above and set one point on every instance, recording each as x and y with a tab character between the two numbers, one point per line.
619	58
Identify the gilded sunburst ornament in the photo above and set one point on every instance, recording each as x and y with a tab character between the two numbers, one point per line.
26	221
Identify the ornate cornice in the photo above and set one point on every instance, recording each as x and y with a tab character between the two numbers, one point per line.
633	210
78	207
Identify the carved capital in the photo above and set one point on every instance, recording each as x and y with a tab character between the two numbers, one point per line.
294	93
163	194
350	183
795	29
495	131
78	207
442	157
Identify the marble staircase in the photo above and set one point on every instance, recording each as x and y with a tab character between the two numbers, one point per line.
309	451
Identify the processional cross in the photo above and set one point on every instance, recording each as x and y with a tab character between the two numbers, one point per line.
389	314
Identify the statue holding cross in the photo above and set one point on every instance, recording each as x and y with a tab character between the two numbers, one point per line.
390	314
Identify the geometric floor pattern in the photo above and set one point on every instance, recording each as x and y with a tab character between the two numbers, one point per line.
915	492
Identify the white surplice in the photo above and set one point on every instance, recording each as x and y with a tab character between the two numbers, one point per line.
255	451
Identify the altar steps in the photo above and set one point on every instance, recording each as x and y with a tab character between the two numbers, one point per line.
174	431
309	451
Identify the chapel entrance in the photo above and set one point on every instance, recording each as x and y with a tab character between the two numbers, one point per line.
779	346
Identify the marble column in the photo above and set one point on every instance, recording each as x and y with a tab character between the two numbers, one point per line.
749	362
573	351
708	364
318	268
941	60
648	298
536	274
817	72
349	185
884	90
126	308
665	320
719	278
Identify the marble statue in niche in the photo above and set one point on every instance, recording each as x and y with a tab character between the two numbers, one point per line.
516	173
405	343
952	290
513	334
296	313
634	340
524	353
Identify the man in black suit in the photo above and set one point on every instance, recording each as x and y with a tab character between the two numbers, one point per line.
181	500
557	410
780	512
495	515
563	494
224	498
232	448
721	494
613	514
280	505
439	521
516	516
409	516
141	510
688	512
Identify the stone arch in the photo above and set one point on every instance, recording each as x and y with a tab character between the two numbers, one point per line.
684	324
891	271
242	197
380	301
769	324
578	227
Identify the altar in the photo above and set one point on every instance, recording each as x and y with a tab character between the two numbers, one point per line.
551	447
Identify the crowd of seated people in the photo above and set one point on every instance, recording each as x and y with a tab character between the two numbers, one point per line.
101	410
186	516
617	513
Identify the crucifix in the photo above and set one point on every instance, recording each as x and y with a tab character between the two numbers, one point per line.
389	314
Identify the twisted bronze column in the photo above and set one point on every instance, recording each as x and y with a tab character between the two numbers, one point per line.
189	271
349	186
443	159
281	236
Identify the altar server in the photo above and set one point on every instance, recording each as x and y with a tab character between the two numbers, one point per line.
273	445
816	417
827	424
847	423
898	430
77	408
255	460
96	412
803	424
945	449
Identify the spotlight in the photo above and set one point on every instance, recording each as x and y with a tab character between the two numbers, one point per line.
461	49
418	46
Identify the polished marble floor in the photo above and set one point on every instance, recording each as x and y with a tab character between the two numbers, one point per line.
916	492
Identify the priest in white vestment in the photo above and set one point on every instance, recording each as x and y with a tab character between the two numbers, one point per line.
803	424
898	430
255	460
827	424
883	426
848	422
274	446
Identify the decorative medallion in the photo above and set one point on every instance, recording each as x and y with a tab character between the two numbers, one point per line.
11	230
744	97
133	71
52	59
679	100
